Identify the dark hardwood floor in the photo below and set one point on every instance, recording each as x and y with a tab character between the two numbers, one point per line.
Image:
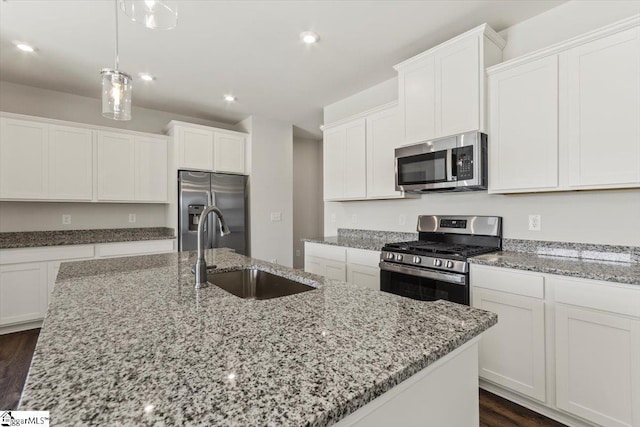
16	351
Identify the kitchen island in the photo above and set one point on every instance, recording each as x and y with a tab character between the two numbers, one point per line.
130	341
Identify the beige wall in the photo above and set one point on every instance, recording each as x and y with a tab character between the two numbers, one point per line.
20	216
270	157
607	217
307	195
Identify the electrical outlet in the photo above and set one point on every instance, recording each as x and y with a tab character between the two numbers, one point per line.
402	219
132	217
535	222
66	219
276	216
333	217
297	252
354	219
273	260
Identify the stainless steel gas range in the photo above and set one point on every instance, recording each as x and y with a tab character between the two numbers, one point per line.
435	266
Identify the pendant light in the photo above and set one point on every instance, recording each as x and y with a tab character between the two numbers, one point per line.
153	14
116	88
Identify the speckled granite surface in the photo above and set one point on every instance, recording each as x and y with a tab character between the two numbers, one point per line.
598	262
27	239
129	341
364	239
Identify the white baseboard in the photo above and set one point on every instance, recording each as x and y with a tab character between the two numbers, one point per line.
9	329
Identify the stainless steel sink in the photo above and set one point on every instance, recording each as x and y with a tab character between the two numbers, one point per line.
256	284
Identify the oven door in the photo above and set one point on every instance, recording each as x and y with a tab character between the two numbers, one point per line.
423	284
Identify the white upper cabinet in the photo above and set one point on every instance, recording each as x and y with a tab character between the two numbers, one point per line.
204	148
116	166
457	86
70	163
442	91
567	117
345	161
229	152
24	159
524	127
195	148
151	169
383	129
603	104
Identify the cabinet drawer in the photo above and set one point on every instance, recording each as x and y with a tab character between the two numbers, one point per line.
39	254
108	250
597	295
335	253
363	257
507	280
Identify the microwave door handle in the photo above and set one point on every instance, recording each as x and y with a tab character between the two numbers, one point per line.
449	165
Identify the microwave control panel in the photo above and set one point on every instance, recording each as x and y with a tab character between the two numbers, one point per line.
463	163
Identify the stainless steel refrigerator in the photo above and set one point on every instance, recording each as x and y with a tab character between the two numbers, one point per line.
197	190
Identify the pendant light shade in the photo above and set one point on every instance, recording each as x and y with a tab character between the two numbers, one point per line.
116	94
153	14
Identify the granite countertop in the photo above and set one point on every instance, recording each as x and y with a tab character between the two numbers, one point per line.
372	240
28	239
129	341
596	269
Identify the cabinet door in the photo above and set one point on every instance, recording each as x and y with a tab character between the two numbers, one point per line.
523	143
229	153
416	93
457	87
151	170
334	163
23	292
355	165
335	270
383	136
314	265
24	159
603	102
597	366
512	353
70	163
195	148
364	275
116	166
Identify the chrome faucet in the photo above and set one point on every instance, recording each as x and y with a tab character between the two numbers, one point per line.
200	269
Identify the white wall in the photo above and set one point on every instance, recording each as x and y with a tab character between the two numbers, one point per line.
307	195
270	156
20	216
42	216
606	217
568	20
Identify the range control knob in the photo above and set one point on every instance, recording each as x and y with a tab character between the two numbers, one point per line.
399	257
390	256
437	262
417	260
449	264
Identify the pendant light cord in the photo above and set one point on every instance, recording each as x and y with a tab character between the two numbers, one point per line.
116	8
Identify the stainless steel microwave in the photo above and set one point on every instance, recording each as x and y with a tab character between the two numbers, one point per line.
453	163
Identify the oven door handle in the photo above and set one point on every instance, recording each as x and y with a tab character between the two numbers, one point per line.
458	279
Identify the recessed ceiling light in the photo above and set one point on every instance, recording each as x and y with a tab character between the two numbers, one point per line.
146	77
229	98
25	47
309	37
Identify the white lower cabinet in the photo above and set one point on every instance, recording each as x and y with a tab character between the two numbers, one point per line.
512	353
28	275
23	292
357	266
566	346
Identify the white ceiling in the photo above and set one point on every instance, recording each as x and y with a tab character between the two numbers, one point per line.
248	48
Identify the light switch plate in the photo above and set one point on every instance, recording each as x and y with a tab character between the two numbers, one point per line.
354	219
402	219
66	219
333	217
132	217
